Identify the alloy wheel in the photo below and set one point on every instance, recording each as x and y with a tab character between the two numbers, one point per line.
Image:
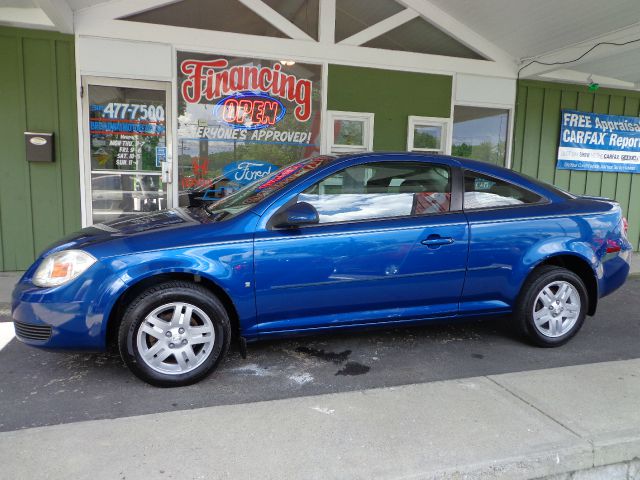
556	309
175	338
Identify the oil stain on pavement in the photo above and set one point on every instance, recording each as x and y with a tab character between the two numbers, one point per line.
349	368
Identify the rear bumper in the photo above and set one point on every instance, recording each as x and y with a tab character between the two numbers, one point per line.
615	270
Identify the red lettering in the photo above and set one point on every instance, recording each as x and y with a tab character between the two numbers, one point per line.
303	99
244	115
229	110
203	81
194	70
270	112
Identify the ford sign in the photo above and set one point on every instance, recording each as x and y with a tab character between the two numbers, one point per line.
247	171
249	110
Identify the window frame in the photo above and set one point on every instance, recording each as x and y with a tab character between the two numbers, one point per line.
455	206
544	200
510	124
367	120
446	125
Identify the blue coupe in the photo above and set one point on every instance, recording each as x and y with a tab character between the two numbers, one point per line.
374	239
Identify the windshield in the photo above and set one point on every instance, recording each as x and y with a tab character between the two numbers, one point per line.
257	191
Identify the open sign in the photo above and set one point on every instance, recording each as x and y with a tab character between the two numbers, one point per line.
249	110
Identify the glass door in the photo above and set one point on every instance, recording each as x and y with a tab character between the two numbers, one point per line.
127	147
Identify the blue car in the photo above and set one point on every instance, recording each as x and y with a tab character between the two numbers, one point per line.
327	243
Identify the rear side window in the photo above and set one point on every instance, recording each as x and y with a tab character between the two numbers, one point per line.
482	191
381	190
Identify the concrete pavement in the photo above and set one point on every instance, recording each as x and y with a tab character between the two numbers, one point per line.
520	425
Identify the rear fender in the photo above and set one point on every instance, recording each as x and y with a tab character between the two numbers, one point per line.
551	251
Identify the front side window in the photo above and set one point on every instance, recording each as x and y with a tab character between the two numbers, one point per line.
381	190
482	191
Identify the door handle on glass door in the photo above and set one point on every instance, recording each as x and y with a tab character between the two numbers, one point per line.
436	241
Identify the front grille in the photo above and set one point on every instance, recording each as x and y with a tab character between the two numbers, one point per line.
28	331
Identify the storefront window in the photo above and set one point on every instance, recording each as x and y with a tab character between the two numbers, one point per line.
239	119
480	133
127	145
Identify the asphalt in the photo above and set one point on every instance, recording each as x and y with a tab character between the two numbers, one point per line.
39	388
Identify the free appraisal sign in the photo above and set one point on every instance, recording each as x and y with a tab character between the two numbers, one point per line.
598	142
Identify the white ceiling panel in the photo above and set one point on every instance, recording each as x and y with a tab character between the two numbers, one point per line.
623	67
527	28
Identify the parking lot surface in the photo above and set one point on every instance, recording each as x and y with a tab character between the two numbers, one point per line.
40	388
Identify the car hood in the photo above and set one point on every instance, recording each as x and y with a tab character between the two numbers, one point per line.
133	225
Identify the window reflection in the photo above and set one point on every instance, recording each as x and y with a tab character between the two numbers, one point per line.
381	190
481	191
480	133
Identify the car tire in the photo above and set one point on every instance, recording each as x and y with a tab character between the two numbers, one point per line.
551	307
174	334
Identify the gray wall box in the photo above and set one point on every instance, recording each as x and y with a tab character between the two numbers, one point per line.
39	147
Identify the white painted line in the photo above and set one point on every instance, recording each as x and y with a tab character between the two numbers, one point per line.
7	333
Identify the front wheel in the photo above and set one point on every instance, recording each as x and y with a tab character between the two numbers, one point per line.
552	306
174	334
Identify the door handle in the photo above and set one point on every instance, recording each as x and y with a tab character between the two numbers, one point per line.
437	240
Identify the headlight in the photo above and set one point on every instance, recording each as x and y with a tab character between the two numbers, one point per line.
62	267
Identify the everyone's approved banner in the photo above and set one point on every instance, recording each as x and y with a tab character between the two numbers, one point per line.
597	142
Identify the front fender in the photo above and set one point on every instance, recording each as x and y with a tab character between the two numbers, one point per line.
229	266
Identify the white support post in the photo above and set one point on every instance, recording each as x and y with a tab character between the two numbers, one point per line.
274	18
327	22
382	27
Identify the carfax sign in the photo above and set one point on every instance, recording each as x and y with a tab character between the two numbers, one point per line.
597	142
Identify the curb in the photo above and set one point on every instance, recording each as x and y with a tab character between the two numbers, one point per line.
577	461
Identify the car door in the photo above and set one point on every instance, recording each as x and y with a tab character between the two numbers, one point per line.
391	245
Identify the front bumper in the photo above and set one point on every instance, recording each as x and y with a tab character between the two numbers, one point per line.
66	322
65	317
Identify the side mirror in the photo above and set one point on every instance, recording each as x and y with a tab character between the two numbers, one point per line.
296	215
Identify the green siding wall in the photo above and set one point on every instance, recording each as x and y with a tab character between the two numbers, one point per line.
39	202
392	96
537	134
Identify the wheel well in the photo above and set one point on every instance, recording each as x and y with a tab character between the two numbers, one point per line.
134	290
581	268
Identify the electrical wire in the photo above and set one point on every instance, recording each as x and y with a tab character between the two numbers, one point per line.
549	64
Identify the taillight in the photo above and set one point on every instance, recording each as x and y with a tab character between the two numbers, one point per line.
613	246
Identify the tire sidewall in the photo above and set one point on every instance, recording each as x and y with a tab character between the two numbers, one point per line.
162	295
531	294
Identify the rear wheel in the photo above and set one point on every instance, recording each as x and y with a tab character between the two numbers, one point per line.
174	334
552	306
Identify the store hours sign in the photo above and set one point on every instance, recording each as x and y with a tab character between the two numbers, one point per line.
598	142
